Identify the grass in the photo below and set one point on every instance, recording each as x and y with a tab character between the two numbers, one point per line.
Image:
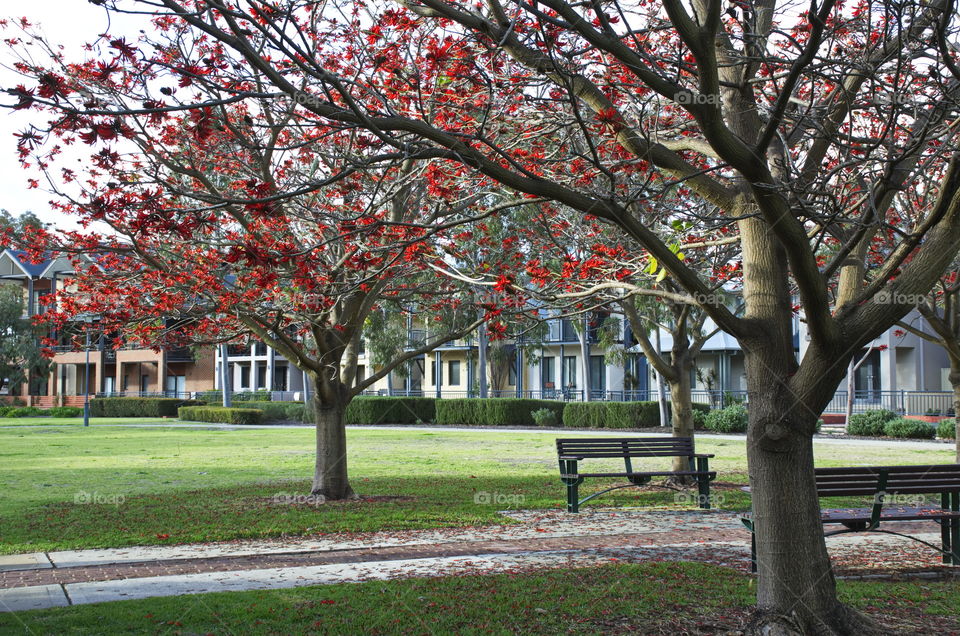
161	485
648	598
75	421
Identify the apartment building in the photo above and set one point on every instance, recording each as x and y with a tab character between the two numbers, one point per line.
83	365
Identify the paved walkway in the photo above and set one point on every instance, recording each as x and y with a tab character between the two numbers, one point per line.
542	539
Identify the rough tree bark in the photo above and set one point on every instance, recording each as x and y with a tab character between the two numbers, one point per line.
330	400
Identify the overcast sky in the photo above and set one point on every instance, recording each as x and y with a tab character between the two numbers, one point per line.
70	23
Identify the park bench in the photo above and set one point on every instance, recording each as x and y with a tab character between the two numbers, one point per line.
572	451
894	490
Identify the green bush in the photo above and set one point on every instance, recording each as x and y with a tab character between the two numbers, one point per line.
138	407
220	414
621	414
732	419
947	429
462	412
279	411
25	411
390	410
65	411
699	419
585	415
546	418
5	411
909	429
494	411
870	423
216	397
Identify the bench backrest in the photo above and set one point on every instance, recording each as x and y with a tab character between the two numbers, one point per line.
625	447
865	480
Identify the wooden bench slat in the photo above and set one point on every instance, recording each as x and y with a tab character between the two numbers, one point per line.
659	473
891	513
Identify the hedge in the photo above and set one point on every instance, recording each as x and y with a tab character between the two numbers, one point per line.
947	429
619	414
493	411
374	409
732	419
909	429
220	414
137	407
65	411
870	423
279	411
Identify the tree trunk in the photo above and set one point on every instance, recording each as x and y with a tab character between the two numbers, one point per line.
796	590
955	383
330	473
681	404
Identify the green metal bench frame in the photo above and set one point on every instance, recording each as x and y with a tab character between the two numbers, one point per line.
881	482
571	451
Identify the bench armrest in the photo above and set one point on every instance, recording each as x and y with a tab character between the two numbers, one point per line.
570	457
703	455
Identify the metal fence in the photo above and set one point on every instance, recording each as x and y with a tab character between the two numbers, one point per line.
900	402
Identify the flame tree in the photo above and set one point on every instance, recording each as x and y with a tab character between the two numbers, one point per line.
809	129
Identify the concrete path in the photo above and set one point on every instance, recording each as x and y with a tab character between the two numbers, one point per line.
548	539
825	438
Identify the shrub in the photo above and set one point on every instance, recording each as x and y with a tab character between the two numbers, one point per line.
947	429
870	423
545	418
699	419
614	414
65	411
390	410
25	411
585	415
138	407
5	411
494	411
462	412
732	419
214	398
278	411
909	429
220	414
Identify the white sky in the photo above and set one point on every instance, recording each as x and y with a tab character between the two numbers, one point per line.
67	22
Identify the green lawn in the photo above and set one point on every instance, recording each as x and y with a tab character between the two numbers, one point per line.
650	598
75	421
161	485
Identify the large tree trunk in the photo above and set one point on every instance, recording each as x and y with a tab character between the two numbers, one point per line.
955	383
796	591
330	472
681	405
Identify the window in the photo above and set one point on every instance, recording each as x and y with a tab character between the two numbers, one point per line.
280	378
453	372
144	383
244	376
261	376
512	375
570	371
361	373
176	385
598	376
434	380
548	372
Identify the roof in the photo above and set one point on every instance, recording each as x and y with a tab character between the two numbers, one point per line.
18	260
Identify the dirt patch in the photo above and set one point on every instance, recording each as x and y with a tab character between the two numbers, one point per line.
306	500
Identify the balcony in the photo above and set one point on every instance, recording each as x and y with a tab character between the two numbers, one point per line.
181	354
